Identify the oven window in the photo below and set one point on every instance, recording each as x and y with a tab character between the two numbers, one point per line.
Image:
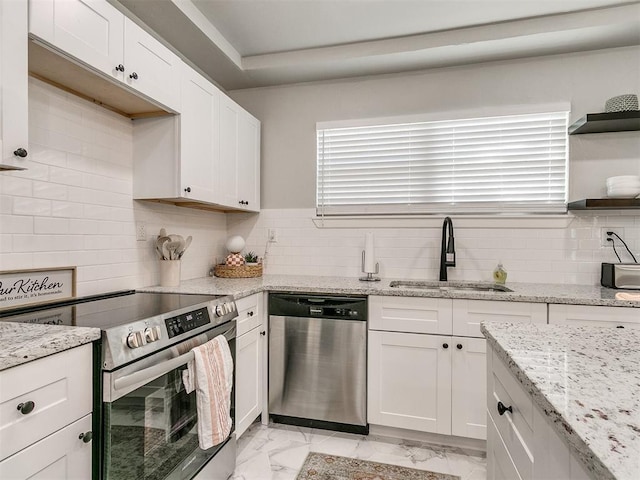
151	433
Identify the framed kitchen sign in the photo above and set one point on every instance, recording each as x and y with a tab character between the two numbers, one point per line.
41	285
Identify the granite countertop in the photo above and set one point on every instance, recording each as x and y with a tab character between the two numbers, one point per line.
586	380
23	342
522	292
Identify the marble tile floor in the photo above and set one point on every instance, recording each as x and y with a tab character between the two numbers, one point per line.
277	452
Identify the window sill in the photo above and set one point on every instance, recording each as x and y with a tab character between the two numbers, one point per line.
433	221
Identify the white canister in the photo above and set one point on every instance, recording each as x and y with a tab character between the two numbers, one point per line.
169	273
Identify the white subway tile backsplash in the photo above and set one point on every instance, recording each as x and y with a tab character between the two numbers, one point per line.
31	206
42	225
559	255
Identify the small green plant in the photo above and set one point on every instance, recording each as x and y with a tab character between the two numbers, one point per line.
251	257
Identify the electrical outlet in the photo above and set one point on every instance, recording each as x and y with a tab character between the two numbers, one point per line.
141	231
603	236
273	235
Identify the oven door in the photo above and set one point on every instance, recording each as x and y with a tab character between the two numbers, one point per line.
150	422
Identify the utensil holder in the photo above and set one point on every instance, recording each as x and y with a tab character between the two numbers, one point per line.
169	273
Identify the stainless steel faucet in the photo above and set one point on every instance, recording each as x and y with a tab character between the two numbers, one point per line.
447	249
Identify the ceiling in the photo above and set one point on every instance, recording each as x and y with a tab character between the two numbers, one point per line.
254	43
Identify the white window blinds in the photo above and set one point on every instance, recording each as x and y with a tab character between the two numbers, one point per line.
500	164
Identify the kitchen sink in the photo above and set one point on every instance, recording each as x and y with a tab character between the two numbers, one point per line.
450	286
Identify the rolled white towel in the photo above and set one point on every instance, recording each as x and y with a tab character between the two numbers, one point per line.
635	297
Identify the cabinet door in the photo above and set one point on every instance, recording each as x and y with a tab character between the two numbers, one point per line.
150	67
467	314
249	161
409	381
58	390
13	82
62	455
469	387
410	314
199	139
594	316
228	188
91	31
249	313
248	378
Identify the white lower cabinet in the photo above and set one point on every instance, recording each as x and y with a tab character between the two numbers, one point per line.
595	316
521	443
409	381
45	417
62	455
250	345
426	361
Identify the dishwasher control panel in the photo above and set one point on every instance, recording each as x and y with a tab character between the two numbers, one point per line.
318	306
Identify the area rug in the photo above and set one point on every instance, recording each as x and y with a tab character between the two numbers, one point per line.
320	466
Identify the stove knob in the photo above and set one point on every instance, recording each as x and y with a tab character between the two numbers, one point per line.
135	340
227	308
158	331
152	334
219	310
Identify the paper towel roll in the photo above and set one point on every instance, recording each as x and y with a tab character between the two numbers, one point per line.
369	254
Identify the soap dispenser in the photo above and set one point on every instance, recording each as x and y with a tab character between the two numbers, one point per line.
500	274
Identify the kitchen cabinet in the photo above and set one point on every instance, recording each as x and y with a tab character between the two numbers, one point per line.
433	349
45	417
13	85
97	35
178	158
193	159
597	316
239	157
250	346
521	444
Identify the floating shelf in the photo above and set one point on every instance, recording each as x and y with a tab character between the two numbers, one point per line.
606	122
604	204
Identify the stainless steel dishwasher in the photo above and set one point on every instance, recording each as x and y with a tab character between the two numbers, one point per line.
318	361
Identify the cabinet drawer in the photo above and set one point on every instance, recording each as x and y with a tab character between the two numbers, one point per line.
60	386
248	313
594	316
410	314
516	427
499	463
467	314
63	455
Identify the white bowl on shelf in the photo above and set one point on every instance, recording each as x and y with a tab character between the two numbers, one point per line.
623	180
623	193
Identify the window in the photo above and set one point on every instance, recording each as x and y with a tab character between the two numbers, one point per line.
498	164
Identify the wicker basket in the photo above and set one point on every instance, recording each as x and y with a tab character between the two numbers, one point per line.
244	271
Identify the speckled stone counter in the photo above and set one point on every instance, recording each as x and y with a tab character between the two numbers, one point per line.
586	380
522	292
23	342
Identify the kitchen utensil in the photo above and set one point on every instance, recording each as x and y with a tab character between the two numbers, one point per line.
186	245
161	245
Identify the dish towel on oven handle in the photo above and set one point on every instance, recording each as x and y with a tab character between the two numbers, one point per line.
210	374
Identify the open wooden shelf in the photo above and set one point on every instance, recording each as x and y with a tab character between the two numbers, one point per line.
606	122
604	204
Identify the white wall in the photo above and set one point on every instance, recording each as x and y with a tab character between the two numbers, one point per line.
571	254
74	205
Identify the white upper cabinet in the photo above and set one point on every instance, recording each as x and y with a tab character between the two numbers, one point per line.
13	81
200	141
97	35
150	67
91	31
239	157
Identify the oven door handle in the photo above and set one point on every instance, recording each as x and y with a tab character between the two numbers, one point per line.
118	387
148	374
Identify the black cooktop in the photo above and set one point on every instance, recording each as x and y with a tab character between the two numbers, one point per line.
105	311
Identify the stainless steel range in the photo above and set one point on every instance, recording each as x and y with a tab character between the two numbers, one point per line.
145	424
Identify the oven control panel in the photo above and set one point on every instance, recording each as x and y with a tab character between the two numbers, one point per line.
187	322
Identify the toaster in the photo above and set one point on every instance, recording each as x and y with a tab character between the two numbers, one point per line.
620	275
